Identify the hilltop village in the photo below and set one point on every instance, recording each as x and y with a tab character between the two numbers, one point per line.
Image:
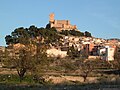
84	43
58	54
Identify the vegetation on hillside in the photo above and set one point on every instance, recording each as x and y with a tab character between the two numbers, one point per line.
24	35
116	63
32	58
75	33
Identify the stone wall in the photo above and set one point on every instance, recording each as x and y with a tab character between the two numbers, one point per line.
60	24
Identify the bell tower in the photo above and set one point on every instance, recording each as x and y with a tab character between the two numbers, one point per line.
51	18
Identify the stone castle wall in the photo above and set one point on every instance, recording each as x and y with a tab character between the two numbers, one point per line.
60	24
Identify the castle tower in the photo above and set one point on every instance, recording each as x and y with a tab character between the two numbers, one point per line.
60	24
51	18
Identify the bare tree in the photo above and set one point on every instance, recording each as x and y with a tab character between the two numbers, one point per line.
85	68
25	60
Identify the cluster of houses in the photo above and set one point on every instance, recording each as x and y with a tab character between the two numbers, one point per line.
93	47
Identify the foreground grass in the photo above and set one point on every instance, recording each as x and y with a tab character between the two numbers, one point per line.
98	86
14	79
11	82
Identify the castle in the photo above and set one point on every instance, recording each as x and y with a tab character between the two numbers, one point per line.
60	24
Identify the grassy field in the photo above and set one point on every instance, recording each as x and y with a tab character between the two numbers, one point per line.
109	80
99	86
11	82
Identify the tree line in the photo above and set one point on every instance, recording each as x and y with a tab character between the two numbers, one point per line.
22	35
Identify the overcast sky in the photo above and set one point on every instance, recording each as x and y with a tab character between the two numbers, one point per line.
100	17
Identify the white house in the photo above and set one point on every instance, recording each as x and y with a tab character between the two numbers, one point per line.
56	53
109	53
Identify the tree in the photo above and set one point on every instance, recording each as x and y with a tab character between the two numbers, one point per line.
33	31
22	61
23	35
72	32
33	55
19	35
87	34
25	59
85	68
42	63
73	52
76	33
68	65
48	26
9	39
65	32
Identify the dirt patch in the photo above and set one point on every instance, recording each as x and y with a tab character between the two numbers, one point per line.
7	71
61	79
